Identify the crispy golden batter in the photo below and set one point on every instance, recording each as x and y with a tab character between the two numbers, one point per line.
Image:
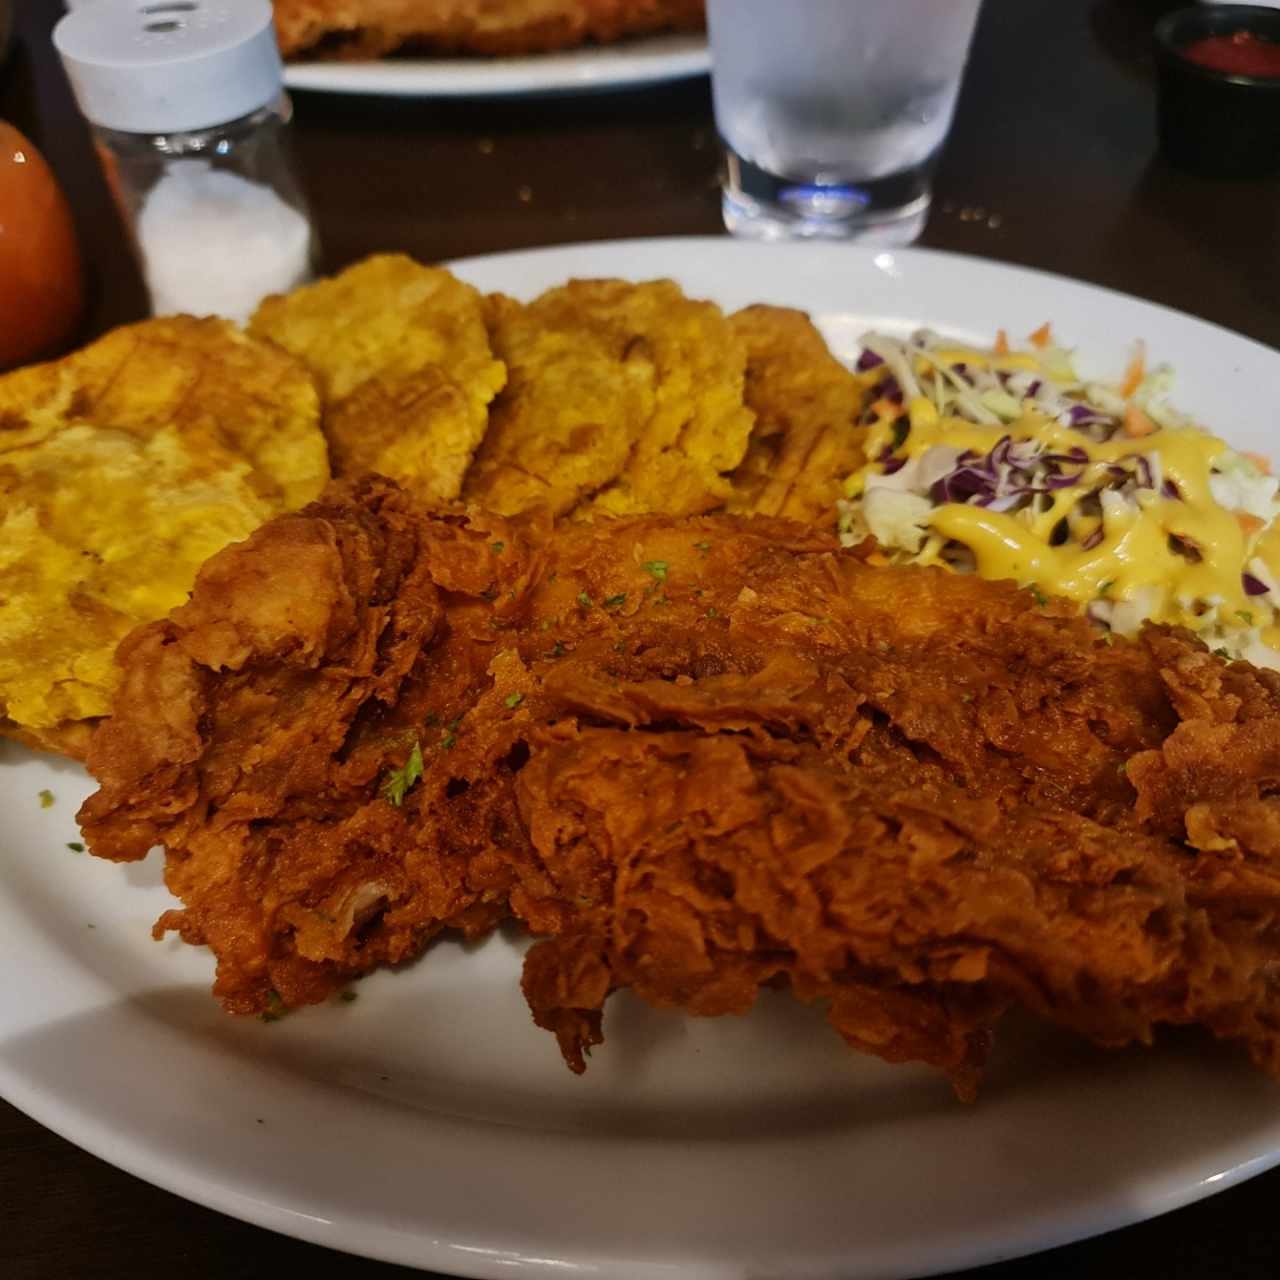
622	398
577	396
372	28
122	468
807	405
404	367
696	756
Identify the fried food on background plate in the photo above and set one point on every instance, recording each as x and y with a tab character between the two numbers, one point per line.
373	28
404	367
621	398
807	404
122	469
695	756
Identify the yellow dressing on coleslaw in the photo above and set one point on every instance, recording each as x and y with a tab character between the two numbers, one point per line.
1135	550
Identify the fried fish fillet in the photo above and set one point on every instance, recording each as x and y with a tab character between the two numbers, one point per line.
373	28
404	366
122	469
807	437
622	398
696	756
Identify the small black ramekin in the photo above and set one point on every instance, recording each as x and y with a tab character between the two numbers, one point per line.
1215	122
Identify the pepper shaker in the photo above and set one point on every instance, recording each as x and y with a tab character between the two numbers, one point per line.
188	111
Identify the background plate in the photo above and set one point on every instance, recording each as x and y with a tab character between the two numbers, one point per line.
617	66
430	1123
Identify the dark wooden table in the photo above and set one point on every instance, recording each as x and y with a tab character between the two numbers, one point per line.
1052	164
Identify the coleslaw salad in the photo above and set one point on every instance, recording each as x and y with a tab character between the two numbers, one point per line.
1009	464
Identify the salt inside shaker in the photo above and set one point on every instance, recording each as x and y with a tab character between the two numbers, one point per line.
188	110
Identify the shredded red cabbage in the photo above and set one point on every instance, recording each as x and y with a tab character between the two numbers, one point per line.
1007	474
962	484
1083	415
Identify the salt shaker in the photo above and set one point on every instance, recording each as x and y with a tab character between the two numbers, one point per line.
188	110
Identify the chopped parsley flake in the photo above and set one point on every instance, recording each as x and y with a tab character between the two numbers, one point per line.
448	741
614	602
1246	615
584	600
556	650
1105	587
1039	596
901	429
46	799
276	1008
704	547
75	846
656	567
347	997
498	547
513	700
713	612
399	781
1221	653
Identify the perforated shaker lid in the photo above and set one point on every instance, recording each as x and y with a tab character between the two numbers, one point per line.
159	66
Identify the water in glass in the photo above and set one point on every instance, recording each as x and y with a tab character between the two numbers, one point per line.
833	112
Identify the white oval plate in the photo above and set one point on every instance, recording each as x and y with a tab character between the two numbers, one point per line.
429	1122
628	64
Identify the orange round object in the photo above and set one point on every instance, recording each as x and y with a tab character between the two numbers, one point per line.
41	285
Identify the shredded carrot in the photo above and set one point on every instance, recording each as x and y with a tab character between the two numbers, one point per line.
1042	336
1249	524
1136	423
1136	371
1261	461
877	558
885	408
1002	343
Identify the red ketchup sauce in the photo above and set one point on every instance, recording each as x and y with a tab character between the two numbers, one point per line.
1241	54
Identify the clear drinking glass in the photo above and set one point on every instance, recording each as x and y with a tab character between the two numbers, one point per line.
832	113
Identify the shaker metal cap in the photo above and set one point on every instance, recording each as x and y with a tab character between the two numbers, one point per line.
161	66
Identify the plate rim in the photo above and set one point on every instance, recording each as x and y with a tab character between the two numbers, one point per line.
1032	1238
921	253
